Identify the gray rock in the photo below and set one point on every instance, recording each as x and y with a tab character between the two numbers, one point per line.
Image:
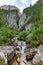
2	55
12	17
27	27
30	54
37	58
40	49
22	20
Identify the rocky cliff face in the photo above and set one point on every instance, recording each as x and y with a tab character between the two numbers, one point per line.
11	15
22	20
41	1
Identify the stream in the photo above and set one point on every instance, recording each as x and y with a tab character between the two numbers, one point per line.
22	51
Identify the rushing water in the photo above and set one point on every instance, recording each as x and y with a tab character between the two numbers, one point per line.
22	46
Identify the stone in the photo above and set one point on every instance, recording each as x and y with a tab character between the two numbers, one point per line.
22	20
15	63
17	48
30	53
28	26
40	49
37	58
22	63
29	56
8	51
12	16
2	56
19	59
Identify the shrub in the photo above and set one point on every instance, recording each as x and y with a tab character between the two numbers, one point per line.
5	33
22	35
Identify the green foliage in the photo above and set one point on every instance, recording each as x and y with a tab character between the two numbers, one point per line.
5	34
22	35
33	12
2	23
36	17
41	13
35	9
3	11
15	33
36	31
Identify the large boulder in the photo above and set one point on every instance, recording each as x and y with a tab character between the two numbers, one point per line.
37	58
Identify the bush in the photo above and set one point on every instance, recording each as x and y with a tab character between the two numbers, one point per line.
5	33
22	35
36	34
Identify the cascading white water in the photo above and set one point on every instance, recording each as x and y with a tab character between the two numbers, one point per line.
22	46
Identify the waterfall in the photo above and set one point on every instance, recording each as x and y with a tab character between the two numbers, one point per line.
22	48
23	44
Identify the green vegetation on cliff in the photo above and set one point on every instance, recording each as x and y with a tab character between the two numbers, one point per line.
34	36
6	32
33	13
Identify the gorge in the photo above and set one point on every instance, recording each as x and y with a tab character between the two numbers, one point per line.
21	35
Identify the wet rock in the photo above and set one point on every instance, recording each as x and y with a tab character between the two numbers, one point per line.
29	46
22	63
19	59
15	63
30	50
17	48
13	41
30	54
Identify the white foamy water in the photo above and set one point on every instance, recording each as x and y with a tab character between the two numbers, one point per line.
22	46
